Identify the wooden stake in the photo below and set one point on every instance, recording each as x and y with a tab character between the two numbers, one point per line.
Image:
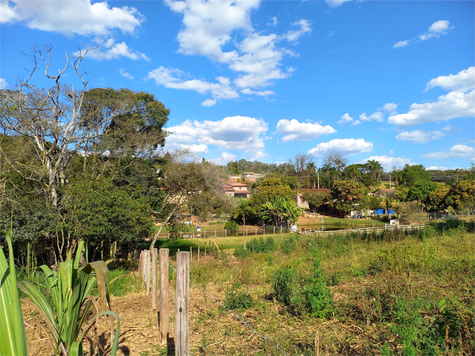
154	279
164	312
317	343
182	297
147	272
213	246
191	254
217	246
198	253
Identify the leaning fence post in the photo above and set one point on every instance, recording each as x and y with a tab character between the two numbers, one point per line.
182	296
154	279
164	252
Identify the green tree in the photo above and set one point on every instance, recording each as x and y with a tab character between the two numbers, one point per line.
100	213
375	169
346	193
333	166
268	189
354	171
412	174
464	195
281	211
421	190
440	198
314	199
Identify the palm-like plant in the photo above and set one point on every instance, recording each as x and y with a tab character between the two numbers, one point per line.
70	287
281	211
12	335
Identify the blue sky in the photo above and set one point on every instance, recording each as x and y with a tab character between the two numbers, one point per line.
387	80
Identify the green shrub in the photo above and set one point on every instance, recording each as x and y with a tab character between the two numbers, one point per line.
231	226
261	245
284	285
289	245
240	252
318	296
237	298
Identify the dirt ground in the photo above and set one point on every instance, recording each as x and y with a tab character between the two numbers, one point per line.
220	332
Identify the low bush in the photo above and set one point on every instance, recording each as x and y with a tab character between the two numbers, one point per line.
231	226
237	298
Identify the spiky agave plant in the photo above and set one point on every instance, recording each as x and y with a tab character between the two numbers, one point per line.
73	305
12	335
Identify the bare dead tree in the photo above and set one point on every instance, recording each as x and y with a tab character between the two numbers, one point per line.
52	118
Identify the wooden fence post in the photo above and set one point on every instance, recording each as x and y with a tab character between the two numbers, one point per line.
164	252
115	249
213	247
147	271
154	279
191	254
141	265
198	253
182	296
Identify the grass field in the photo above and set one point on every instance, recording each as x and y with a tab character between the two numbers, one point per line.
392	293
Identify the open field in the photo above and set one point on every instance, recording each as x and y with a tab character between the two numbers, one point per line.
391	293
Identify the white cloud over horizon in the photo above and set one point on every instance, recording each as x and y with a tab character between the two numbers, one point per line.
297	131
114	51
345	147
223	159
418	136
457	151
458	103
236	132
389	162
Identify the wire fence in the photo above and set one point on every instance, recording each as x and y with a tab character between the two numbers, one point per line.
245	323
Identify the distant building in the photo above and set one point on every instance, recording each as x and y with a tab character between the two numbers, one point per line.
298	198
385	193
237	190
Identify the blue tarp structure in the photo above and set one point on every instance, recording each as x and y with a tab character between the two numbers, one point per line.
383	212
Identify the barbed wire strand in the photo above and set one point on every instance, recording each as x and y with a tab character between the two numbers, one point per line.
192	331
237	317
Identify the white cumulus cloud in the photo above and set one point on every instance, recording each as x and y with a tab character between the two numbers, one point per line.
173	78
210	29
345	118
458	103
456	151
125	74
438	28
389	162
418	136
297	131
71	17
305	27
223	159
462	81
377	116
114	51
235	132
345	147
